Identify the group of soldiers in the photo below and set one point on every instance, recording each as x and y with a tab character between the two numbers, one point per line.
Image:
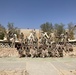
42	47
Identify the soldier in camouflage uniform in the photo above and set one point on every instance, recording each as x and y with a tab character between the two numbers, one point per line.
20	46
35	42
34	33
59	48
43	41
22	38
32	51
20	50
26	41
27	51
49	51
53	50
45	52
66	43
68	47
66	38
14	39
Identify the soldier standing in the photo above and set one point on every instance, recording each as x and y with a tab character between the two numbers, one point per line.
66	40
26	41
43	41
22	38
66	37
34	32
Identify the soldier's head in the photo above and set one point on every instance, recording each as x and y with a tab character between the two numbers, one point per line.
39	37
66	32
49	46
31	47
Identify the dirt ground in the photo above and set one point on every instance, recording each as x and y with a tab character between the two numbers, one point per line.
11	64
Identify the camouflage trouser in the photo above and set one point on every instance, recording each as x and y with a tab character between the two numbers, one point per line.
27	52
60	53
33	52
13	45
20	51
68	48
44	53
51	53
54	53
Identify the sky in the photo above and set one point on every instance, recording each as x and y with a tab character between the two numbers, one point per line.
32	13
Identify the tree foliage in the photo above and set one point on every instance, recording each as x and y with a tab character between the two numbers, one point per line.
71	30
47	27
2	32
59	29
13	30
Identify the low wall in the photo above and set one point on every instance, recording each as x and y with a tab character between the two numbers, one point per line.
8	52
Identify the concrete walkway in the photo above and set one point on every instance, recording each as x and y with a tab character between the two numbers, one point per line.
41	68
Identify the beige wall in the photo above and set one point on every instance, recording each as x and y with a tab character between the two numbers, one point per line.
26	32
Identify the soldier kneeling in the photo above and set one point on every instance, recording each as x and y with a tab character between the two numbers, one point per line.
45	53
20	51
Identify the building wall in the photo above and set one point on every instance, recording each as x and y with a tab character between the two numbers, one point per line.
27	32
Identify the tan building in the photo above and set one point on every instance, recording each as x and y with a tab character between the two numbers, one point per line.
27	32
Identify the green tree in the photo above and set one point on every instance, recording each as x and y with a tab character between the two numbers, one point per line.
58	30
2	32
71	30
47	27
13	30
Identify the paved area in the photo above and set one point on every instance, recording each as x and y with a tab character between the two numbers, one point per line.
41	66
